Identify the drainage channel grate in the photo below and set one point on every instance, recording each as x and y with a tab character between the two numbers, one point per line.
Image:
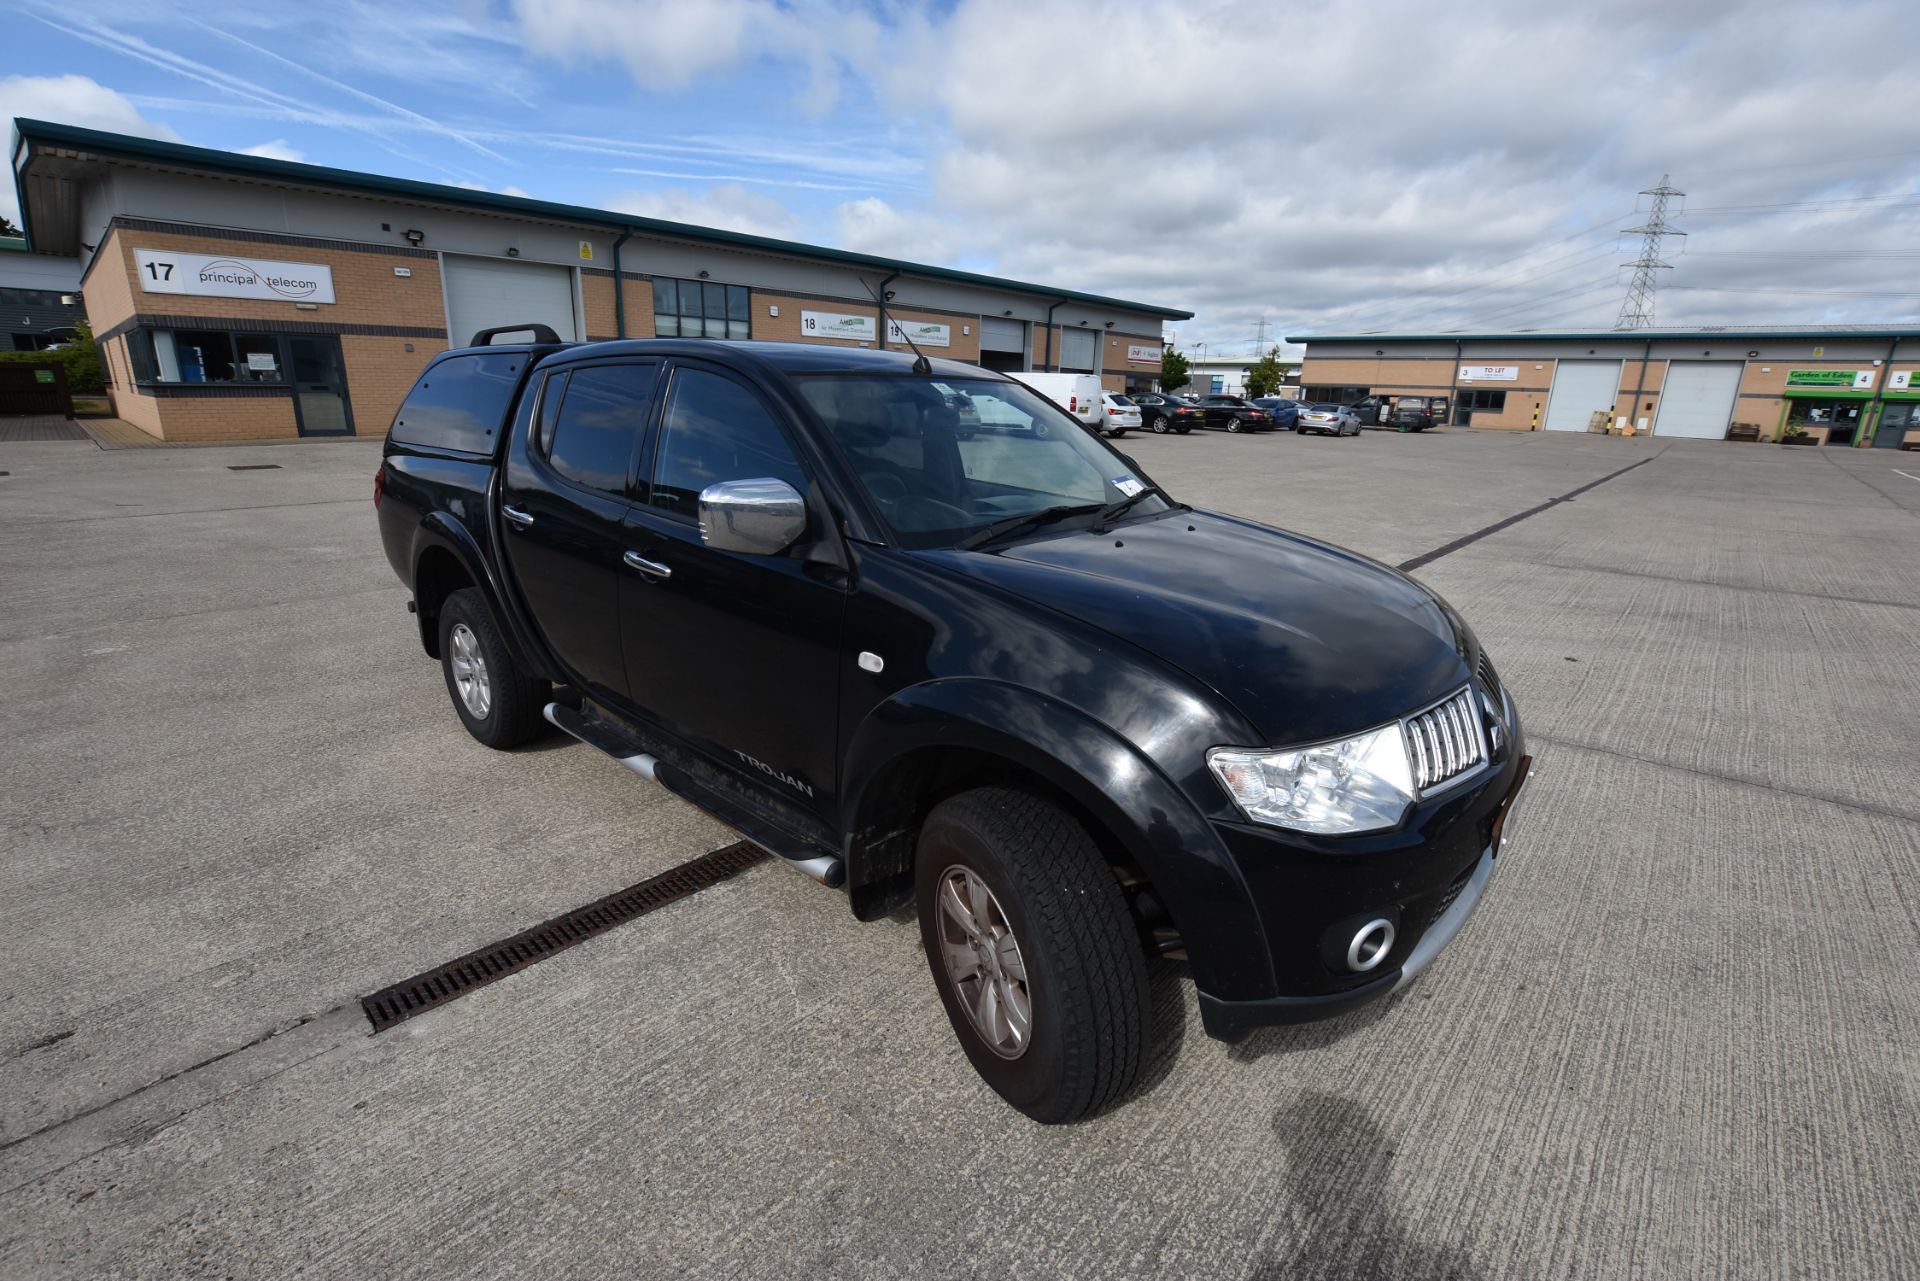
254	467
494	962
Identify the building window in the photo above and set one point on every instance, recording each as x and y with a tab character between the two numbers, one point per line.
205	356
1479	398
701	309
1331	395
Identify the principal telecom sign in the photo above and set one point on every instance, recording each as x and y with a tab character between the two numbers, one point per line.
228	276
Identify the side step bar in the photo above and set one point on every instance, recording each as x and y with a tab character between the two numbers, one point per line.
828	869
597	734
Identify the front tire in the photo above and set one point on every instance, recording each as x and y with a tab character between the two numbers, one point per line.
1183	429
1033	953
498	703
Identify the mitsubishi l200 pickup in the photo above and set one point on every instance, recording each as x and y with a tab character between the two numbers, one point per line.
1001	677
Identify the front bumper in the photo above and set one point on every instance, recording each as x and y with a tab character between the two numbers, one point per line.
1230	1020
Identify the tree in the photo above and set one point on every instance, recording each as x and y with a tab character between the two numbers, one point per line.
1264	378
81	356
1173	371
6	226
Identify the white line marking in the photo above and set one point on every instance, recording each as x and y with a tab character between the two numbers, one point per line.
1909	475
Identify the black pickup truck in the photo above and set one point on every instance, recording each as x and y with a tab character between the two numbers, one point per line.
1003	678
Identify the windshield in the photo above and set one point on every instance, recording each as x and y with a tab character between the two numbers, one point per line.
943	458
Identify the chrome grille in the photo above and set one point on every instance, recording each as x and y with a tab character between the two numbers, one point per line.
1445	741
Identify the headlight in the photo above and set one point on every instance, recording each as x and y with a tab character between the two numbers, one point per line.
1360	785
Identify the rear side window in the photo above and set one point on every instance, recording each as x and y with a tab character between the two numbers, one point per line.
599	421
460	403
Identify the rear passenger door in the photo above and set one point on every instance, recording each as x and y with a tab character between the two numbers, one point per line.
735	652
565	493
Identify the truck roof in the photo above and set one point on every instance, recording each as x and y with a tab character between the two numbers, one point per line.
787	357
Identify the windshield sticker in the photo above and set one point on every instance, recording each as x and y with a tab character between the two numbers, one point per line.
1127	486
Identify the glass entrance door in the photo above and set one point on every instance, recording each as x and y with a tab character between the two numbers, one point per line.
319	387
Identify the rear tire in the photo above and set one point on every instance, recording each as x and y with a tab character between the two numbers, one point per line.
498	703
1158	426
1022	919
1233	424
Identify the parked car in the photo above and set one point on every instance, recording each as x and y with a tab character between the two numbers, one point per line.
1284	411
1416	413
1079	394
1122	414
1231	413
1329	420
1025	691
1161	412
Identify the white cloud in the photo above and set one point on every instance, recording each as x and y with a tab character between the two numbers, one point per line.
1375	164
668	45
275	150
728	206
70	100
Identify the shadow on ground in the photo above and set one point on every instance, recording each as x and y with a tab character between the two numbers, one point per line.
1338	1159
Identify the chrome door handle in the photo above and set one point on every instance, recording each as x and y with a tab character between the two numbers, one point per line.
651	568
518	517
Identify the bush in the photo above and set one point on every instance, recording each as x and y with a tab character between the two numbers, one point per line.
81	359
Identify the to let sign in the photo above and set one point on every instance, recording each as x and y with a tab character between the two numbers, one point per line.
1489	373
228	276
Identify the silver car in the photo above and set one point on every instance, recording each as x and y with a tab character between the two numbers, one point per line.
1328	420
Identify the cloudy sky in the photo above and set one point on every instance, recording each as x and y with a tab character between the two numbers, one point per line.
1329	167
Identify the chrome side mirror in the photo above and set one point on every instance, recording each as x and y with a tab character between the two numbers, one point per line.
760	517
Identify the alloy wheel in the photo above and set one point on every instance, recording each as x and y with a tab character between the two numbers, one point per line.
983	962
470	671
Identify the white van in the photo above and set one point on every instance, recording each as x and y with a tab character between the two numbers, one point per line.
1078	394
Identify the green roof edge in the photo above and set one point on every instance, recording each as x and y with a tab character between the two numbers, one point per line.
45	131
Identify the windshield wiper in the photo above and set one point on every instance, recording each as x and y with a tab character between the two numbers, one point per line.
1114	509
1014	524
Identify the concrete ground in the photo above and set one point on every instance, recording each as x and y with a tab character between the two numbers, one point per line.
1680	1039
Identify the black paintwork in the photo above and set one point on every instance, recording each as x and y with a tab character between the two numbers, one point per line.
1177	414
1102	664
1223	410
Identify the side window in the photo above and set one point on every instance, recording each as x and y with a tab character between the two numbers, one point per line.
459	403
591	439
556	387
712	430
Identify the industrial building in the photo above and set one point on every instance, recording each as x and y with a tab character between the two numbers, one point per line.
238	297
1827	385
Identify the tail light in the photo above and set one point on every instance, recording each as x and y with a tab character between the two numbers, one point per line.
379	486
1113	411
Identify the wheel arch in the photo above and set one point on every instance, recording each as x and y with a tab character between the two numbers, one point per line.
934	740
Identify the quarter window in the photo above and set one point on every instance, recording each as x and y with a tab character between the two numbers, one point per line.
592	436
712	430
701	309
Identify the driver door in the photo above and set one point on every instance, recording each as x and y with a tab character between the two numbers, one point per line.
734	652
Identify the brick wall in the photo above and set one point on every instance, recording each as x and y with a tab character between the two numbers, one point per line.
379	369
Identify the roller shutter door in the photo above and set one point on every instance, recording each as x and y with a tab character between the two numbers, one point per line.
1697	400
1579	388
485	293
1003	335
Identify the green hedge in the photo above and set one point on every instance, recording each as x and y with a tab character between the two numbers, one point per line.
81	358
